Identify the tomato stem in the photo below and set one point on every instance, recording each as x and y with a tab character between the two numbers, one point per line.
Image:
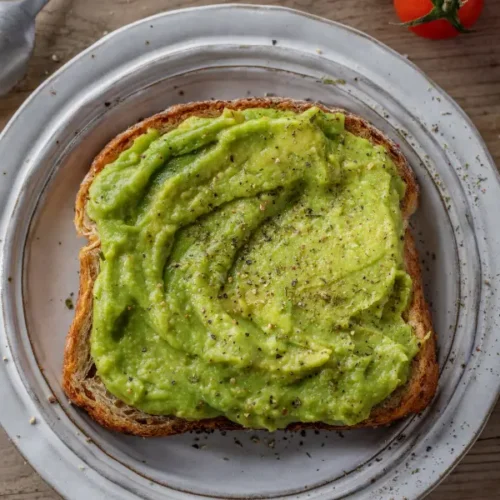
442	9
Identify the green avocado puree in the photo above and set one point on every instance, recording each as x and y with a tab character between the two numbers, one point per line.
252	267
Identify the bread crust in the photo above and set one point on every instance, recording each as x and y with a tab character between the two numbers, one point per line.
84	387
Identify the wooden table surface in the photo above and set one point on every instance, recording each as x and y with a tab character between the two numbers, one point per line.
468	68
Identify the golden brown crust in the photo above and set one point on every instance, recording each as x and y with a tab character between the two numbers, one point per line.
85	389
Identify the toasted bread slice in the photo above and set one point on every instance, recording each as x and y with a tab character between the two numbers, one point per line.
80	380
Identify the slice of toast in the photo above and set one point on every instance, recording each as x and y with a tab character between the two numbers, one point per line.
80	380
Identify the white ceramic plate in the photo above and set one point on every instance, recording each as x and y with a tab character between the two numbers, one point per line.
228	52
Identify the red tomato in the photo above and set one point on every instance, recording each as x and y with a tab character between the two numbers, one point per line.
409	10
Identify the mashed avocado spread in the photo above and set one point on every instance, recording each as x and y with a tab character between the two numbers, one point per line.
252	267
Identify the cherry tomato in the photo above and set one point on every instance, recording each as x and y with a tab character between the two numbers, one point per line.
465	12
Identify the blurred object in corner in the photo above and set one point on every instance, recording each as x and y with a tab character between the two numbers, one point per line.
17	37
438	19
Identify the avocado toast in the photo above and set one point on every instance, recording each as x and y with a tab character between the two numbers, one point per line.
412	362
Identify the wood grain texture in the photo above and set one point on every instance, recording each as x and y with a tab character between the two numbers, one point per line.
468	68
